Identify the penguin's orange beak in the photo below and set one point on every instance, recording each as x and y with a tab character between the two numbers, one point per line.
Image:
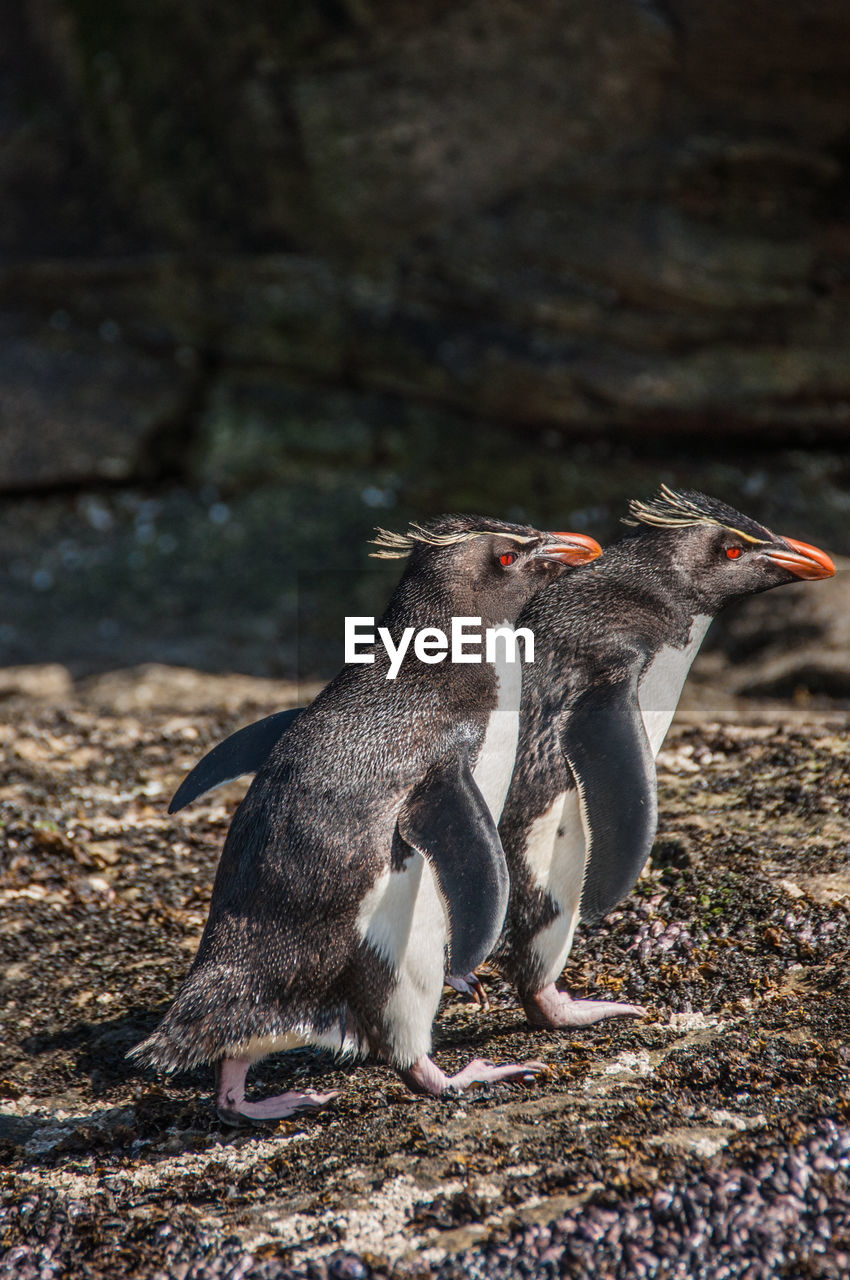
802	560
568	548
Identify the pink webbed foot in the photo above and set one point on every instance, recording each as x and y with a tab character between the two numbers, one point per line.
426	1077
470	985
233	1109
553	1009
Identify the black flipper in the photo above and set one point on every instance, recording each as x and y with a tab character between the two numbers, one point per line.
446	819
243	752
605	744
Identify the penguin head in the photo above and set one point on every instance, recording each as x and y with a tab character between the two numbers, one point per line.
492	566
723	554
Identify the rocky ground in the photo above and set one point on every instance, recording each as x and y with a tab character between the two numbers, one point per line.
710	1139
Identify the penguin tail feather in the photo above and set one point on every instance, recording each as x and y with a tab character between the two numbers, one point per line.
219	1008
165	1054
209	1021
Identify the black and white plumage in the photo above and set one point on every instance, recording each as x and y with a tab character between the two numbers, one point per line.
613	645
365	848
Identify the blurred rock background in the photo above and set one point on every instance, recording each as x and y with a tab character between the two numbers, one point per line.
272	274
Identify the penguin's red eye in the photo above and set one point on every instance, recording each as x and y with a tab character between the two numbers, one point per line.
507	558
733	552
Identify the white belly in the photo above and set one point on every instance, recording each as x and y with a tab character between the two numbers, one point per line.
403	919
661	683
495	763
556	851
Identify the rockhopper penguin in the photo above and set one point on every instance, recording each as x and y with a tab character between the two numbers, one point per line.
613	646
365	847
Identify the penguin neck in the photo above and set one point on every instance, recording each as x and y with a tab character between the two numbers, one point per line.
681	615
664	584
426	601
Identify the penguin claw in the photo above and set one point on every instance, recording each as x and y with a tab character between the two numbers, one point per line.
480	1072
552	1010
273	1109
234	1110
470	985
426	1077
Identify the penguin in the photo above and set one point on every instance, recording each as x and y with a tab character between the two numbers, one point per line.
367	846
614	643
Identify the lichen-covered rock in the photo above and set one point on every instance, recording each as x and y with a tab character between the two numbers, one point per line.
620	216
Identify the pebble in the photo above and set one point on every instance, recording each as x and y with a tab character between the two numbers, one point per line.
722	1225
788	1214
